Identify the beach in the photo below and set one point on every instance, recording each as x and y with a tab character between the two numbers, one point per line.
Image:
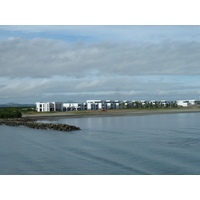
109	113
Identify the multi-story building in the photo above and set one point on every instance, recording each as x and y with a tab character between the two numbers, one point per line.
185	103
102	104
108	104
48	106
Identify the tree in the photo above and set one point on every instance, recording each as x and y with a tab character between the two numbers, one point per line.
10	113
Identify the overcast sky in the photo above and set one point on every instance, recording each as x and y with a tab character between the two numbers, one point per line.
76	63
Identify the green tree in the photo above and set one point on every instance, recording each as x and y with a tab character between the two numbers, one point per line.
10	113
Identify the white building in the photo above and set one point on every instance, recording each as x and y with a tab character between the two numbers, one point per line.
100	104
58	106
74	106
49	106
185	103
95	104
182	103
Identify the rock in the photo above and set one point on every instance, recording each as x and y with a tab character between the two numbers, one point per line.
31	124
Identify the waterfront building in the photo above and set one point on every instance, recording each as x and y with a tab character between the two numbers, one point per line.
48	106
109	104
102	104
185	103
74	106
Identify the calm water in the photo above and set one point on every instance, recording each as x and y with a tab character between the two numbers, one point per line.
157	144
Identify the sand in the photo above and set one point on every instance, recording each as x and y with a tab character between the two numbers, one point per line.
109	113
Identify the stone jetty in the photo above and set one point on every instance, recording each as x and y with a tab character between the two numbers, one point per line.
32	124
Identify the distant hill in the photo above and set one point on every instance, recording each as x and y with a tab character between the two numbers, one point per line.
11	104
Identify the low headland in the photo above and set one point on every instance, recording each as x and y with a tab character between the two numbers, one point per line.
13	117
109	113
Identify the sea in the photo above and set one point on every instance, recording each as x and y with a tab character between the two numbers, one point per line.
165	144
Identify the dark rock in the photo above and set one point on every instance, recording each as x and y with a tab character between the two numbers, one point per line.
31	124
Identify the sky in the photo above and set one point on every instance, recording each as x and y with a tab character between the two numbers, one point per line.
79	62
134	50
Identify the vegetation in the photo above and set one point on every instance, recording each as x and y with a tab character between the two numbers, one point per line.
197	103
150	105
23	110
10	113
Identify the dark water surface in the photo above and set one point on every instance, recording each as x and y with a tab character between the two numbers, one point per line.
153	144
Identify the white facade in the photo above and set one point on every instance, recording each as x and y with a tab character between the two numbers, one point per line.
182	103
185	103
100	104
89	105
48	106
95	104
73	106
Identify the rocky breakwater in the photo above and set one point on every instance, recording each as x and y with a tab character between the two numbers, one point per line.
32	124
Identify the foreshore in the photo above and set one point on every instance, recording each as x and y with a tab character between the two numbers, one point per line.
109	113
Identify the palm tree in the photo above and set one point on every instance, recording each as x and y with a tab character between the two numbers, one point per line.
123	105
156	104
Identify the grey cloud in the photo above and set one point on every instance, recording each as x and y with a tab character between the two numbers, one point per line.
46	58
23	89
2	85
103	88
127	95
92	84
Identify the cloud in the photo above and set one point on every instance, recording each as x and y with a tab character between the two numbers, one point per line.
22	88
41	58
55	70
109	87
91	84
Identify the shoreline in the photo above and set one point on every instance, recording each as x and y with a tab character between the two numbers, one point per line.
109	113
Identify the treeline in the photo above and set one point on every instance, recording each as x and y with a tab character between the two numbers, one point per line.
10	113
146	104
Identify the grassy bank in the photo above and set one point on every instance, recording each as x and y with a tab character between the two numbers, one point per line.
110	113
110	110
10	113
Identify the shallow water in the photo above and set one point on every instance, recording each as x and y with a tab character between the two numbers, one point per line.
153	144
